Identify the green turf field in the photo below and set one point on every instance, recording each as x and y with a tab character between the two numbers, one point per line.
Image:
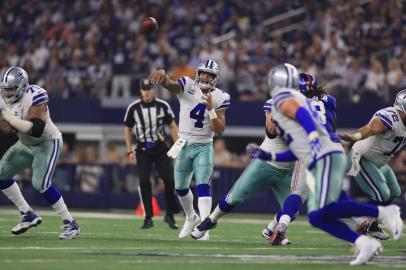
116	242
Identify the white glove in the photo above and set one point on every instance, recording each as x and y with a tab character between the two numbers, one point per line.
355	168
176	147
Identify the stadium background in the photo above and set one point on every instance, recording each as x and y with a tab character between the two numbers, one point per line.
90	55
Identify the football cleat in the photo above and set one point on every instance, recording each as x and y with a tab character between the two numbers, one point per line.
267	233
202	229
278	237
366	248
28	220
205	237
70	229
390	218
377	232
188	226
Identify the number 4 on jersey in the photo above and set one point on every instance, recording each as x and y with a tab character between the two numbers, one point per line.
198	114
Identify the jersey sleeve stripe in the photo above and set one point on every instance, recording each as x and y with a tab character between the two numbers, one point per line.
280	97
267	107
385	120
224	106
40	101
39	96
182	82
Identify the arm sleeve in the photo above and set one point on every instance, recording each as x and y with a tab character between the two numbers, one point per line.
267	106
182	82
305	120
39	98
225	102
285	156
385	118
281	96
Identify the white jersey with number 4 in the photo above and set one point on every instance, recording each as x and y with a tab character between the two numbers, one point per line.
294	134
34	96
194	121
379	149
276	144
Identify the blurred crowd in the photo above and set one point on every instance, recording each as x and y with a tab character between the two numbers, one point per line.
93	48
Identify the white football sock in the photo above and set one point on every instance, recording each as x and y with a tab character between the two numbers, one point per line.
61	209
381	210
216	214
13	193
272	225
284	219
187	204
204	204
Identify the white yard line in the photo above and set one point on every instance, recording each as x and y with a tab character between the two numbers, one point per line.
101	215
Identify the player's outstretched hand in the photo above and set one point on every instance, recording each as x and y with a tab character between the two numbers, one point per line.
158	76
256	152
347	137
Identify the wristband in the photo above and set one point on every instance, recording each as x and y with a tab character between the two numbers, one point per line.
212	114
131	152
357	136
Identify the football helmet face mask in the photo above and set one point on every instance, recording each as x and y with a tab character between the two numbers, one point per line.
204	83
307	82
285	75
400	101
13	84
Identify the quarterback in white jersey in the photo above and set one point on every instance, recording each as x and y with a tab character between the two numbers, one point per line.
299	125
202	114
258	176
39	145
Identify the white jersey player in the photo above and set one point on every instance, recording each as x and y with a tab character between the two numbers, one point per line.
194	119
202	114
40	144
34	96
258	176
375	144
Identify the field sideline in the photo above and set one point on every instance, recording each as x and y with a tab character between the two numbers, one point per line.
115	241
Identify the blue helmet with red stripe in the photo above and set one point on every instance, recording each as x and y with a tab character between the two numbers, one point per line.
307	82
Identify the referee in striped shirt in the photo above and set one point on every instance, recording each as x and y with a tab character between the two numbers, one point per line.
145	118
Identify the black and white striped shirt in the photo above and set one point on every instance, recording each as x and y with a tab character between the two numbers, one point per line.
148	119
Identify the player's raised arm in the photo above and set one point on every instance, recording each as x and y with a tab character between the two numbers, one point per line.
160	77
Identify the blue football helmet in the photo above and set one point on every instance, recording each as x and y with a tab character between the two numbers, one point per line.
307	82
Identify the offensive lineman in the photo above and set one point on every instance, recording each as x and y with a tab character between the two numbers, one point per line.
202	114
375	144
39	146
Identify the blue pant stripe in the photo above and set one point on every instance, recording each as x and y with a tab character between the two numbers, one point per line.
325	181
51	165
370	182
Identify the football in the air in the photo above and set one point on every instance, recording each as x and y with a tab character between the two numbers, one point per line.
149	25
